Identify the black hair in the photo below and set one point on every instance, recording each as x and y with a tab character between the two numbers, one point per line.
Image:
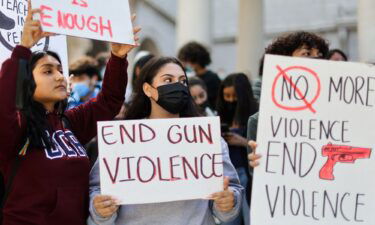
246	103
196	53
85	65
197	81
140	64
333	51
102	59
287	44
140	108
261	64
33	111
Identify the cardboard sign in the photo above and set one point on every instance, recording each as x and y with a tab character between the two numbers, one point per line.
108	20
316	136
12	19
149	161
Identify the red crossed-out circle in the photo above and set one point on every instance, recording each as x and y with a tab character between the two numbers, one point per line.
307	104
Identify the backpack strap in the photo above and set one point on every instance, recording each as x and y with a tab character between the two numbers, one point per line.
22	75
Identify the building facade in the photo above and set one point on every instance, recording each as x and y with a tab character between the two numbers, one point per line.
237	31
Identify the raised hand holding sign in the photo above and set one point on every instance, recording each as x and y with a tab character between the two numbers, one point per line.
32	30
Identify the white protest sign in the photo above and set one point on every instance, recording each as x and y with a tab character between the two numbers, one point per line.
160	160
317	140
108	20
12	18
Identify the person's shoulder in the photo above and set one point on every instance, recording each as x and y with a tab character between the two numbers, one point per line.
212	75
254	117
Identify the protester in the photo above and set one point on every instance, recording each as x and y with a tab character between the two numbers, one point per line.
139	64
85	81
298	44
198	91
41	143
235	104
196	58
337	55
162	92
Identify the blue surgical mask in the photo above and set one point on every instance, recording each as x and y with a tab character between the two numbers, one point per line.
80	90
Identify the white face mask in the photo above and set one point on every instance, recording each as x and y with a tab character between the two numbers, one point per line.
189	71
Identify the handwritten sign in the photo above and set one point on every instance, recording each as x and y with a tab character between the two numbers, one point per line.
148	161
12	19
316	136
94	19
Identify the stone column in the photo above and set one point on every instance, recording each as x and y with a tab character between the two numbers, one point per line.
366	30
193	22
250	43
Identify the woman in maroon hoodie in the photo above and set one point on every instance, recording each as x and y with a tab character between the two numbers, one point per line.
51	183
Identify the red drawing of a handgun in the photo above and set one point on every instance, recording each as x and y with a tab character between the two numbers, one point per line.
340	153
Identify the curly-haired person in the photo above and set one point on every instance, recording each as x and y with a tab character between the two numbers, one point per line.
196	57
297	44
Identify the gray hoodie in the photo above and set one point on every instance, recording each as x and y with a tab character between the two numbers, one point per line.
188	212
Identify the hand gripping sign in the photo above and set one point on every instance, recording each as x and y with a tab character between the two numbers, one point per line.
160	160
315	135
12	19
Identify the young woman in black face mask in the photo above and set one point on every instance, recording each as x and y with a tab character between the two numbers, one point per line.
235	104
162	92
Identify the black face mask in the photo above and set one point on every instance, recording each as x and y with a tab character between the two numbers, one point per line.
173	97
229	111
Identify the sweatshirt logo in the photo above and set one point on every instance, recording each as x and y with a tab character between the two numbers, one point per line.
65	145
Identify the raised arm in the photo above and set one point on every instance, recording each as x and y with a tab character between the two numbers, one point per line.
11	124
11	128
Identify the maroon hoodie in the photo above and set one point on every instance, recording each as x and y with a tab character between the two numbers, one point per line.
51	185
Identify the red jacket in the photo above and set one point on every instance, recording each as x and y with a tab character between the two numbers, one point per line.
51	185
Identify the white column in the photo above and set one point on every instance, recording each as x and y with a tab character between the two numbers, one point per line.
366	30
250	43
193	22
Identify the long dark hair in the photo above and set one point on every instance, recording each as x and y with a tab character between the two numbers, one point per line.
33	111
246	103
140	64
140	108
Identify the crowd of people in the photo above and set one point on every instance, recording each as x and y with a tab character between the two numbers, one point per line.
48	128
